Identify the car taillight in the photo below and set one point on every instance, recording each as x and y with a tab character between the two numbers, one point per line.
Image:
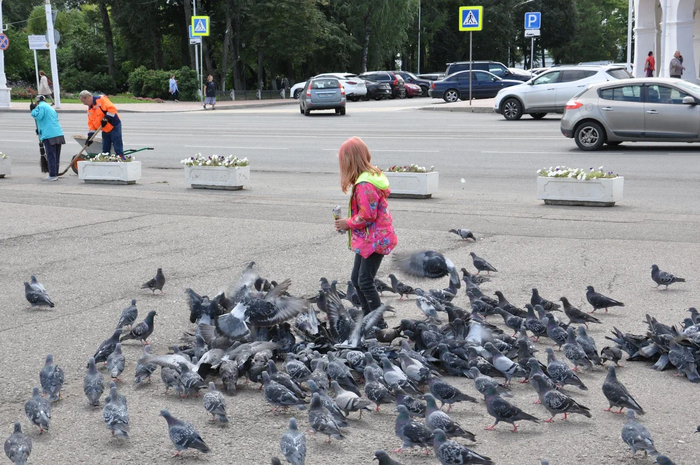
432	85
342	90
396	81
308	92
352	83
573	104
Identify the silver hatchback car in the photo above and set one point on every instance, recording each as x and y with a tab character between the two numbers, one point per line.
322	94
636	110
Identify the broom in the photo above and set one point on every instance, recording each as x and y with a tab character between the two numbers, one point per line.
43	161
77	157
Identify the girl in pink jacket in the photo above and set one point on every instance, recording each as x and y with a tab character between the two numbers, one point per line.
370	230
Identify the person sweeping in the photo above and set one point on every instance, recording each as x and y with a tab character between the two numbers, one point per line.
50	134
102	113
371	233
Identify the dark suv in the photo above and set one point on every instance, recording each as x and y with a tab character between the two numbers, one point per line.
397	85
493	67
411	78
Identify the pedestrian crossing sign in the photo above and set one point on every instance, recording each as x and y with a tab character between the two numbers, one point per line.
200	26
471	18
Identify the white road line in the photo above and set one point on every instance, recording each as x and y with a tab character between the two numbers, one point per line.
24	141
405	150
235	147
529	153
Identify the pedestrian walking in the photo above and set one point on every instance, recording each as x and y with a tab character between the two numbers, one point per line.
285	86
649	65
371	233
50	134
101	112
278	83
45	87
174	91
210	93
675	69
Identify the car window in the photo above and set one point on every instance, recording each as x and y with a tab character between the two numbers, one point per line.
619	73
622	93
382	77
548	78
665	94
497	69
483	77
576	75
462	76
325	84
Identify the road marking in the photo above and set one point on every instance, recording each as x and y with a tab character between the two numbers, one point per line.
405	150
528	153
234	147
10	140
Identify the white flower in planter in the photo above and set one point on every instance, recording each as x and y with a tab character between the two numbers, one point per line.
2	156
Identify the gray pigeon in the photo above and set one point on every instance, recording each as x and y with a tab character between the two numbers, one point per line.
428	264
663	460
321	420
191	381
428	306
637	437
293	444
51	379
683	359
481	382
93	384
503	410
449	452
284	379
463	233
481	265
383	458
129	315
141	331
276	461
116	414
554	401
611	353
617	394
533	324
329	404
400	288
115	362
144	370
555	332
36	285
394	376
505	365
661	277
437	419
415	407
183	435
36	298
155	283
375	390
536	299
576	316
280	396
171	379
38	410
215	404
574	352
599	301
561	373
228	371
107	347
348	401
587	343
411	432
446	393
18	446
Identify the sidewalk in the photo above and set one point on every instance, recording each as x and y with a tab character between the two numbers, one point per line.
478	106
165	107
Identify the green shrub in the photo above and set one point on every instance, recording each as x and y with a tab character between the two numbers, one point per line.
136	80
73	80
155	83
22	93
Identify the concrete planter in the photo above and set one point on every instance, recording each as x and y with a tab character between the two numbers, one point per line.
109	172
413	185
217	177
5	167
603	192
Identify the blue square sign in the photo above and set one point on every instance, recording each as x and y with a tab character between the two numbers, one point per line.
533	20
471	18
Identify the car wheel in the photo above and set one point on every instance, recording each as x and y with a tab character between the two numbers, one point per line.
512	109
378	98
307	112
451	95
424	91
538	115
342	112
589	136
614	143
403	94
297	93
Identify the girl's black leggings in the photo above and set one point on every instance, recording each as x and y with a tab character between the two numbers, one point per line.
363	273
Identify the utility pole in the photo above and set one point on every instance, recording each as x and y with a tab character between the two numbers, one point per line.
629	37
4	91
419	13
52	52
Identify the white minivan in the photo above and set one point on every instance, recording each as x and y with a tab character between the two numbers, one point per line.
549	92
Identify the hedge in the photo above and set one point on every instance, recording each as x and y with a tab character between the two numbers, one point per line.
155	83
73	80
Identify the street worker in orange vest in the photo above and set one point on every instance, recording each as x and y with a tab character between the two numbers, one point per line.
102	113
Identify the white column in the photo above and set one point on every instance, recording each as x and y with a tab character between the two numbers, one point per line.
52	53
4	91
696	44
644	42
680	37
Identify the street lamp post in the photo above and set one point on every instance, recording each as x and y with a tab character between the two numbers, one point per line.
419	14
4	91
52	53
629	37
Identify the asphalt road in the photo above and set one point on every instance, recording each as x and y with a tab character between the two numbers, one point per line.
92	246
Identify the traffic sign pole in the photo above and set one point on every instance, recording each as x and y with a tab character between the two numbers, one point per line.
36	70
532	53
471	18
4	91
52	51
533	22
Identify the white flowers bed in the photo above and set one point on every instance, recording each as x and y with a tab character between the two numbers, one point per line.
110	169
217	172
577	187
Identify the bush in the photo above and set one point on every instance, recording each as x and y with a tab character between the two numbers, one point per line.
155	83
136	80
73	80
23	93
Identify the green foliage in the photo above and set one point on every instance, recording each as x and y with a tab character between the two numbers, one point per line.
22	93
155	83
73	80
19	60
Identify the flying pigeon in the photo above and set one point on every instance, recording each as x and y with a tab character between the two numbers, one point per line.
156	283
107	347
661	277
115	362
183	434
51	379
576	316
129	315
38	410
599	301
446	393
561	373
503	410
141	331
293	444
637	437
93	384
449	452
18	446
321	420
428	264
437	419
481	265
215	404
116	414
411	432
463	233
400	288
617	394
554	401
36	298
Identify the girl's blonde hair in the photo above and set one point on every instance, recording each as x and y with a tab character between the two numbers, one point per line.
354	159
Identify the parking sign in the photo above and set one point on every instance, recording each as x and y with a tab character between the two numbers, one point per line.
533	20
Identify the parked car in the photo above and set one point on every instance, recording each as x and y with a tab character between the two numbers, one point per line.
431	76
493	67
638	110
456	86
396	82
355	88
549	92
322	94
410	78
413	90
377	90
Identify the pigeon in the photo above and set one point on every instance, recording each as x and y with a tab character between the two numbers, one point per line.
297	370
382	287
464	234
141	331
481	382
617	394
415	407
505	365
533	324
511	321
51	379
574	352
661	277
536	369
37	298
481	265
93	384
449	452
599	301
576	316
215	404
683	359
339	372
115	362
115	413
546	304
144	370
446	393
613	354
561	373
555	332
190	380
503	410
554	401
348	401
321	420
329	404
18	446
400	288
394	376
428	306
428	264
38	410
411	432
171	379
276	461
587	343
437	419
183	434
352	295
383	458
375	390
293	444
280	396
156	283
663	460
284	379
637	437
107	347
36	285
129	315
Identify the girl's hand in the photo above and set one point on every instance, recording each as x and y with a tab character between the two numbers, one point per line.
341	224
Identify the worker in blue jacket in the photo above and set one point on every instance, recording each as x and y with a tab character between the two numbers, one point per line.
50	133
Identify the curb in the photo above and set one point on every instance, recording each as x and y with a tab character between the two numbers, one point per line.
223	107
458	109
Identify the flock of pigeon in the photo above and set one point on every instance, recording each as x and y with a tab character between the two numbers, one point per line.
303	349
